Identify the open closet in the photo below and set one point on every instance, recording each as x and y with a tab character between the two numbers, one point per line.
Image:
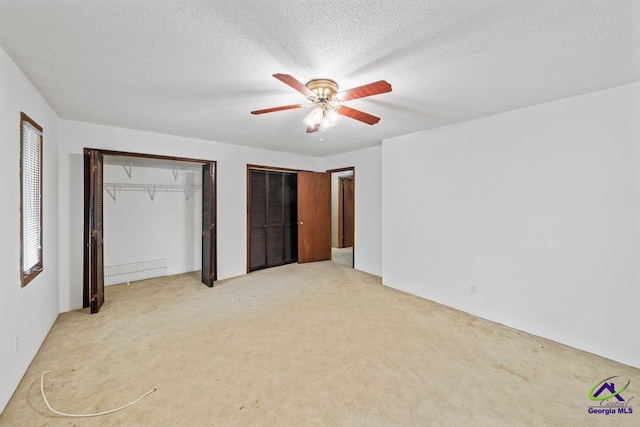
146	216
152	215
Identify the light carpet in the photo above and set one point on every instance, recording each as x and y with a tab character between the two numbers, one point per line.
302	345
342	256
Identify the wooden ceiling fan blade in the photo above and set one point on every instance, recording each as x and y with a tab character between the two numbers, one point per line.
271	110
294	83
358	115
313	129
371	89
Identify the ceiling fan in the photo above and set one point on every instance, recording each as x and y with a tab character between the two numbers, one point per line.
326	99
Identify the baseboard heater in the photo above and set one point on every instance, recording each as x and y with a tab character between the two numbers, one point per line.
132	271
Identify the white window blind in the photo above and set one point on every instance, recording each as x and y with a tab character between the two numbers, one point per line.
31	198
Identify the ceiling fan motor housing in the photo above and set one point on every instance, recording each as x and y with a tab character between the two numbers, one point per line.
325	89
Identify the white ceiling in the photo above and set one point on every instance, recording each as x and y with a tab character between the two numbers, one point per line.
197	68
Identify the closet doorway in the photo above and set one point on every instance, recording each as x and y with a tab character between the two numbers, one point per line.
194	181
288	217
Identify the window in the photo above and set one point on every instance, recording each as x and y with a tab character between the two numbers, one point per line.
30	199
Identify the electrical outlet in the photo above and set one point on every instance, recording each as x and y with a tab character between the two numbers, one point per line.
473	288
17	343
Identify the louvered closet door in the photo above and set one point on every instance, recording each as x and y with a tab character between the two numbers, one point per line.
275	219
257	219
93	233
208	224
98	289
273	216
290	208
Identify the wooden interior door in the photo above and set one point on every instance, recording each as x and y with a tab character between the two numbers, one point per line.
314	216
208	224
348	211
93	232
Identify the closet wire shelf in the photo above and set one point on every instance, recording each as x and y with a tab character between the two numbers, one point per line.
113	188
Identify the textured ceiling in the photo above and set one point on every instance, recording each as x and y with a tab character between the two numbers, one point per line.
135	161
197	68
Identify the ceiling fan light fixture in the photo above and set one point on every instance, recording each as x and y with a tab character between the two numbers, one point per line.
333	116
322	117
326	102
326	124
314	117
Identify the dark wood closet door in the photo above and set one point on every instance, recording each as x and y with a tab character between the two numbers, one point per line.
208	224
257	219
272	219
314	216
290	206
275	219
93	233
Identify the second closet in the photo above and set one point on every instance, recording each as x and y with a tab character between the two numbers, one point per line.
273	218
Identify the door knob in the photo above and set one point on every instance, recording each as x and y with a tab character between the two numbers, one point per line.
300	223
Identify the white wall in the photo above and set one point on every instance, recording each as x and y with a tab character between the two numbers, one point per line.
137	228
231	187
28	311
540	207
368	199
335	190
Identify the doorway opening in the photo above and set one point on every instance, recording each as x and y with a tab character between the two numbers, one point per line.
343	215
163	224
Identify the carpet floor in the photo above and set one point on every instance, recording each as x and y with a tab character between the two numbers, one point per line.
303	345
342	256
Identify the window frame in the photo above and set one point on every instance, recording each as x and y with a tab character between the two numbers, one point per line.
28	276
